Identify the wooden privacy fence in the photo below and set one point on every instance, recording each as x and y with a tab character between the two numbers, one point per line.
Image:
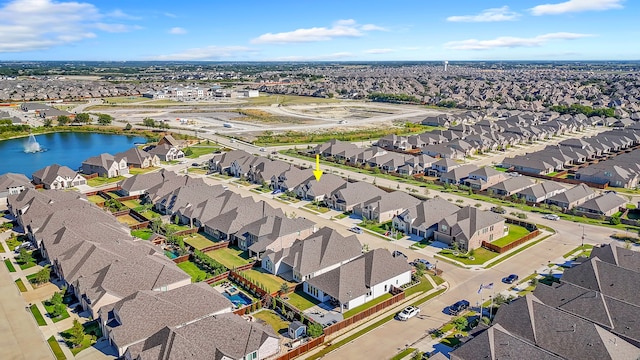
186	232
502	249
216	246
308	346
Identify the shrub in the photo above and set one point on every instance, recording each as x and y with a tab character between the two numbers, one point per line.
314	330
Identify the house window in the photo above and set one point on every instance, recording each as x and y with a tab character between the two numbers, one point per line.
443	228
369	293
385	288
252	356
490	237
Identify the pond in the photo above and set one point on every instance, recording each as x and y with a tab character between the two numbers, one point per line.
64	148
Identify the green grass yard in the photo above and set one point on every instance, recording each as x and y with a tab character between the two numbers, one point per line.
27	265
98	181
194	271
404	353
9	265
127	219
230	257
138	171
424	286
197	241
49	307
319	209
515	233
198	150
37	315
365	306
21	285
131	204
301	300
271	282
55	348
95	199
274	320
143	234
584	250
1	248
193	170
480	256
12	243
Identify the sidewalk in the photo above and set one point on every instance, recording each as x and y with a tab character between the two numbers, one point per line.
353	329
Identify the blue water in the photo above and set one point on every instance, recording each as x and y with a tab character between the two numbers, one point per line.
69	149
238	299
170	254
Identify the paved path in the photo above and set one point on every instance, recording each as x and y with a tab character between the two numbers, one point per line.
20	337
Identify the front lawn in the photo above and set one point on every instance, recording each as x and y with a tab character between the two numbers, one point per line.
49	307
271	282
21	285
230	257
194	271
480	256
27	265
37	315
584	251
301	300
86	342
143	234
274	320
99	181
367	305
9	265
1	248
516	232
12	243
423	287
200	171
382	228
56	349
198	241
320	209
197	151
341	216
138	171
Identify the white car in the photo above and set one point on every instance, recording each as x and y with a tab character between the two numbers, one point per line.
553	217
408	313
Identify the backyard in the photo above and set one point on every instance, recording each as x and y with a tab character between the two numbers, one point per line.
516	232
131	204
127	219
99	181
95	199
301	300
143	234
278	324
194	271
271	282
198	241
230	257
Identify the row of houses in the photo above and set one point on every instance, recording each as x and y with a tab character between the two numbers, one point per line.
571	152
620	171
591	314
196	92
330	266
44	111
144	303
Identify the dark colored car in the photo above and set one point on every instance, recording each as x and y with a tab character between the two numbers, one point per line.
459	307
195	164
510	279
398	253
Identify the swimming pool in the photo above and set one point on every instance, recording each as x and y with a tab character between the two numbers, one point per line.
170	254
239	299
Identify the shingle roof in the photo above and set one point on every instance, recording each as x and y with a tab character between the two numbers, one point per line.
10	180
465	222
49	173
603	203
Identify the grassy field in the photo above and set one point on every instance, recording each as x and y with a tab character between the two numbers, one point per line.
21	285
515	233
124	99
199	150
266	100
9	264
99	181
230	257
197	241
271	282
302	300
367	305
55	348
49	307
149	214
127	219
480	256
37	315
274	320
193	270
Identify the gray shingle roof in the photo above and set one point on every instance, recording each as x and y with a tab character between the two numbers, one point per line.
603	203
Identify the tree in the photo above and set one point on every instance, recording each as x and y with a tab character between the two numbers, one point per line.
76	333
149	122
420	269
461	323
57	298
24	257
128	127
58	310
188	152
47	122
417	355
42	276
83	118
105	119
314	330
284	288
63	120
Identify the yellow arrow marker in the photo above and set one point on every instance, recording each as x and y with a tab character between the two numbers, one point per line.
317	172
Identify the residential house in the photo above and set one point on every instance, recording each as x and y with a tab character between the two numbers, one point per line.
511	186
611	173
139	158
604	205
458	175
384	207
469	227
361	280
422	220
291	178
484	177
139	184
136	318
353	194
57	177
221	163
235	216
165	152
314	255
105	165
541	191
13	184
224	336
572	197
443	166
530	164
334	147
172	142
272	233
314	190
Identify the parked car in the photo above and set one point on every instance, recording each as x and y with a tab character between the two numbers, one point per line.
276	192
356	230
498	210
458	307
553	217
195	164
408	313
263	149
427	264
397	253
510	279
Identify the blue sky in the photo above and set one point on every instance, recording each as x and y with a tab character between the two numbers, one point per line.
306	30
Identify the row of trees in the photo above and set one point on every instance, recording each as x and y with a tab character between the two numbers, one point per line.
82	118
574	109
393	98
149	122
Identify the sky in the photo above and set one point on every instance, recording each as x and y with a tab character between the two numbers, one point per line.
327	30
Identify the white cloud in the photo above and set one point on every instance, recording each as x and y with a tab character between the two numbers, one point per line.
373	27
488	15
116	28
29	25
171	15
572	6
341	28
325	57
511	42
122	15
177	31
207	53
379	51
